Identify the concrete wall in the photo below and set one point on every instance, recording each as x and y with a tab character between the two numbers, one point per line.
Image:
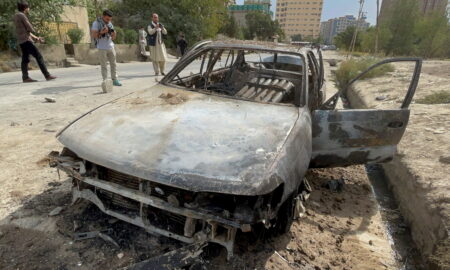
78	15
54	54
84	54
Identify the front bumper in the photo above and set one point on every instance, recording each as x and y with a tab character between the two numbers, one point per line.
194	225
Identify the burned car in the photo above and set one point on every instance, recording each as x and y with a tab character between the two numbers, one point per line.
222	143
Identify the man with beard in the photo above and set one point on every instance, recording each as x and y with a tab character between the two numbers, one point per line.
158	53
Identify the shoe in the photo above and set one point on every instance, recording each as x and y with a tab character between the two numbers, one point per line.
156	74
50	77
117	83
164	74
29	80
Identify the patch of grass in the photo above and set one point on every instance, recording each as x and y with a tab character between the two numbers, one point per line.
441	97
349	69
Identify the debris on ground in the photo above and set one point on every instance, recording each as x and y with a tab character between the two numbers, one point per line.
50	100
174	259
14	124
444	159
173	99
336	185
100	234
332	62
120	255
55	211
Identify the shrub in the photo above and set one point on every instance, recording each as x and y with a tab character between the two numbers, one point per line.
120	35
349	69
75	35
441	97
7	37
130	36
50	39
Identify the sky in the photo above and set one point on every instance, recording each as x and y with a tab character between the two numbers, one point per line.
338	8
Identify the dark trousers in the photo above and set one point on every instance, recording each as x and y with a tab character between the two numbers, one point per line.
28	49
182	50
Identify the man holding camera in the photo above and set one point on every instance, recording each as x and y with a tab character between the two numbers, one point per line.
25	39
103	33
158	53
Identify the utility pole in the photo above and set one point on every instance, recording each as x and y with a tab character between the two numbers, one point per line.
355	34
378	27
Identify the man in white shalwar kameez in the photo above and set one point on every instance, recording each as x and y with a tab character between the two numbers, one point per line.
158	54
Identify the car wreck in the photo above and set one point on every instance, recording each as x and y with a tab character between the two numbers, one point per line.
222	143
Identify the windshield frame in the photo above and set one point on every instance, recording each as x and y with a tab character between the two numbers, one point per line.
301	101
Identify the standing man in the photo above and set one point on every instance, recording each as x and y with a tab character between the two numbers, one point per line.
103	33
158	53
25	39
182	44
143	41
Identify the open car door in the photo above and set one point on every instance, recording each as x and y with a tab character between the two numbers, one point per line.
348	137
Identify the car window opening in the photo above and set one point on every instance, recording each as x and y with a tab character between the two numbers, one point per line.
254	75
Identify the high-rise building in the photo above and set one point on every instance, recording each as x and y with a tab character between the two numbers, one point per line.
240	11
300	17
331	28
426	6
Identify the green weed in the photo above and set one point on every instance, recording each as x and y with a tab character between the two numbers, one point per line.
441	97
349	69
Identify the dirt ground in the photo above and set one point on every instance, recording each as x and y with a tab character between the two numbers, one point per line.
421	171
341	230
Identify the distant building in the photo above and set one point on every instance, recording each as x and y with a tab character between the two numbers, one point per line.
240	11
426	6
300	17
331	28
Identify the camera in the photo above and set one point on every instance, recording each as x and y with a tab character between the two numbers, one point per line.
107	34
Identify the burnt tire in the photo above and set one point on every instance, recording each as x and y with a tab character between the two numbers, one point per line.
285	217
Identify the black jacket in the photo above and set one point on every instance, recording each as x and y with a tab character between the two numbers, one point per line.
151	39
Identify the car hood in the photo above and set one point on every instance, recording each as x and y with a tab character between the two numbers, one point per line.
186	139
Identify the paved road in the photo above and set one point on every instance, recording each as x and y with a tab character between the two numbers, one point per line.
86	78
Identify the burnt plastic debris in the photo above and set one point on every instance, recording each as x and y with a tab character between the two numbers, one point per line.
336	185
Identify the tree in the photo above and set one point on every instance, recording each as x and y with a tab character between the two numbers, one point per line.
42	12
261	26
120	35
297	37
231	28
130	37
432	34
198	19
368	39
344	39
401	23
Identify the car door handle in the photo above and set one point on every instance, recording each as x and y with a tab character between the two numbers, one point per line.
396	124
